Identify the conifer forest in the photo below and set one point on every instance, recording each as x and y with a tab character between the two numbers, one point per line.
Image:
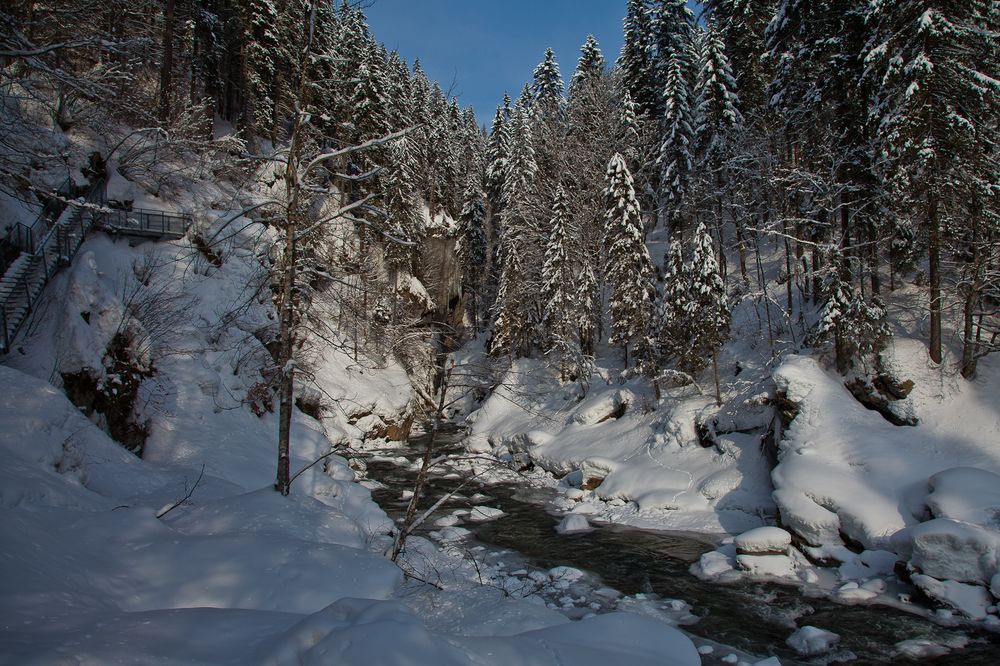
686	354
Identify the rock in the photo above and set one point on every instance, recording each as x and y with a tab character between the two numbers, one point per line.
714	563
970	600
780	566
573	522
967	494
603	406
869	396
763	541
482	514
851	592
809	641
950	550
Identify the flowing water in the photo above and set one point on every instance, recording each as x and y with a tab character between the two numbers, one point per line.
753	617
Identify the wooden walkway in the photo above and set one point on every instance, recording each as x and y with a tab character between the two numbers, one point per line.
38	251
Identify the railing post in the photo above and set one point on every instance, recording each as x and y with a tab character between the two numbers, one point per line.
6	333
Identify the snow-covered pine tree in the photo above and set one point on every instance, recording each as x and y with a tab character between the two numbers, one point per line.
473	251
547	89
707	307
513	308
672	25
588	311
636	61
629	268
676	154
673	329
405	215
937	102
717	122
717	115
629	136
558	290
742	24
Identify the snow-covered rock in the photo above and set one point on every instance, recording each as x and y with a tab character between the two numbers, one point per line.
602	406
573	522
713	564
970	600
780	566
483	514
809	640
763	541
950	550
968	494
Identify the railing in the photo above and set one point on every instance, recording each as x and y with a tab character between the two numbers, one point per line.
22	237
148	222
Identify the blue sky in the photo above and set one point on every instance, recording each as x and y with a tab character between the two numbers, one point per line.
481	48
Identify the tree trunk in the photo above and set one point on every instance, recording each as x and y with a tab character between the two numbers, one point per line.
286	360
167	66
934	269
715	372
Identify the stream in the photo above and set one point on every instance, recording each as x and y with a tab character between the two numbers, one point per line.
650	568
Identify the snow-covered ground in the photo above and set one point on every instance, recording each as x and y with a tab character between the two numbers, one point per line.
101	563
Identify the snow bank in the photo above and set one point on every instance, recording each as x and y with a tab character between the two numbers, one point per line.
645	463
355	631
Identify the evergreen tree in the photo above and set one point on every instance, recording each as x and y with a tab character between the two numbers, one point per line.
636	61
706	308
718	116
676	158
547	90
629	269
405	229
673	328
558	289
473	251
858	325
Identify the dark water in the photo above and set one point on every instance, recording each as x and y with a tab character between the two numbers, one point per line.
753	617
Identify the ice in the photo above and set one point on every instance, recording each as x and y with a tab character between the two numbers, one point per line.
920	648
809	641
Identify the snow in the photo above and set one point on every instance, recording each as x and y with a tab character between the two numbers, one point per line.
778	566
763	540
645	468
809	640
